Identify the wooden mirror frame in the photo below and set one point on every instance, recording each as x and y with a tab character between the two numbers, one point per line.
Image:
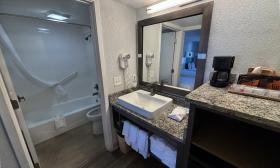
204	9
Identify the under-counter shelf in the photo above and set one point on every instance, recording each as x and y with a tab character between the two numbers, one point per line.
237	143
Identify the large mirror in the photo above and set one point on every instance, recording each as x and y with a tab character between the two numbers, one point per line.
170	51
173	47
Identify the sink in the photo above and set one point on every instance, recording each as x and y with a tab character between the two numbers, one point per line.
142	103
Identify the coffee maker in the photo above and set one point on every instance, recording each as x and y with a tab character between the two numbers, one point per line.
222	66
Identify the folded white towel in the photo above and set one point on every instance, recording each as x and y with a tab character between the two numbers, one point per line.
133	134
170	155
178	113
165	152
125	131
157	146
143	140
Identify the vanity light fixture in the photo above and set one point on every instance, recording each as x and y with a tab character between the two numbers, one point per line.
56	16
168	4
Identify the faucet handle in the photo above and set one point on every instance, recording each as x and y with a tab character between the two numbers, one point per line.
161	83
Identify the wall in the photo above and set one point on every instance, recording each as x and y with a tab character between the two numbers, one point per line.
7	156
152	46
50	56
249	30
119	36
116	23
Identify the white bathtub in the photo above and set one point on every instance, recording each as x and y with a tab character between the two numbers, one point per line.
41	124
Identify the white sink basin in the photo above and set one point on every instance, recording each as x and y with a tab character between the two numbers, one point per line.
142	103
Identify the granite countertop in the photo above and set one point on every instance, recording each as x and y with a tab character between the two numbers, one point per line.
172	127
261	111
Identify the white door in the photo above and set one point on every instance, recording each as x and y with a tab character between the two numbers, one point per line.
168	41
13	96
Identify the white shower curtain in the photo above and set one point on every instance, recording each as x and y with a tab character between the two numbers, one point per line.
57	85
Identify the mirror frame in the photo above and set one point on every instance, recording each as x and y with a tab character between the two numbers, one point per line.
204	9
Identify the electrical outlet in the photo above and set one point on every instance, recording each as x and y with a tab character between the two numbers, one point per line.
134	78
117	80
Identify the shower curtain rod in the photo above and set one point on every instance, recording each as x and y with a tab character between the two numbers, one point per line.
31	17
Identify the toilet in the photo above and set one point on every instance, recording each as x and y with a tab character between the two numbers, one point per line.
94	115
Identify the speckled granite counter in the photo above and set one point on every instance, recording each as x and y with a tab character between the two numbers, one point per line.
163	123
261	111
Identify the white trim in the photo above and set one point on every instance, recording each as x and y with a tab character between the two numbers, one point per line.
172	26
19	115
196	27
13	129
102	71
178	54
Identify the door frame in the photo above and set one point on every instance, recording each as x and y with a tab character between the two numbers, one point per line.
108	132
12	123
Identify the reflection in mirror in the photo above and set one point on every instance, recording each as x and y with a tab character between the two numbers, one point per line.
170	51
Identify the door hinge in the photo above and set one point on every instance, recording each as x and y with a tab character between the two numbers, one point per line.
172	70
15	104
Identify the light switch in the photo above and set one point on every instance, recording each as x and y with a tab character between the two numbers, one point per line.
117	80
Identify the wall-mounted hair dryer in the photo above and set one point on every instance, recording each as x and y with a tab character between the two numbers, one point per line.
149	59
123	60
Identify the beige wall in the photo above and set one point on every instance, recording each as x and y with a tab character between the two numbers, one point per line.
119	36
247	29
151	45
118	28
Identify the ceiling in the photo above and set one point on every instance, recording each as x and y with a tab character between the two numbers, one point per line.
138	3
188	21
79	12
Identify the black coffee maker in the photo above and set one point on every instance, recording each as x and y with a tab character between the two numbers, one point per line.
222	66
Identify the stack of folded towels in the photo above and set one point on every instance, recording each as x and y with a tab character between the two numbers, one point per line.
165	152
136	138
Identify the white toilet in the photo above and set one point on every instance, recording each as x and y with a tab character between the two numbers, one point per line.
94	115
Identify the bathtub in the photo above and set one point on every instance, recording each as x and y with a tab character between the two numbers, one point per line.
41	124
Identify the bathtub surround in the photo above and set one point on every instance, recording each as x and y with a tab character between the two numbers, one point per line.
247	29
43	104
57	85
44	55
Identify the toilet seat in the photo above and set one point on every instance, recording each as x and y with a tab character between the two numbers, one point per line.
94	114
